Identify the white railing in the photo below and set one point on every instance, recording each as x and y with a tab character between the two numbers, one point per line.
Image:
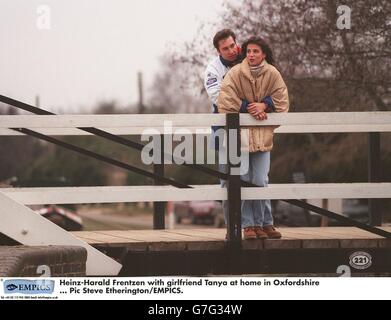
78	195
309	122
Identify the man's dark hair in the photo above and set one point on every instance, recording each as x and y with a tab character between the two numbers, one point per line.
221	35
263	45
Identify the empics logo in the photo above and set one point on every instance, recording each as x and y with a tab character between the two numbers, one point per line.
11	287
29	286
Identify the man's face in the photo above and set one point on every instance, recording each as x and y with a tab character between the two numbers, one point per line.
254	55
228	49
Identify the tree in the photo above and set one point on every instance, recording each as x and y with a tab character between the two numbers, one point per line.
326	69
17	153
308	45
172	90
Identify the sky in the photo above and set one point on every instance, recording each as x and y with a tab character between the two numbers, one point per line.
76	53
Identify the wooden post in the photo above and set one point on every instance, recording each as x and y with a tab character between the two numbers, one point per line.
324	222
374	175
234	187
159	207
141	108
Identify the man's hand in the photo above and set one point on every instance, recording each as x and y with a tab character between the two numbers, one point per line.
257	110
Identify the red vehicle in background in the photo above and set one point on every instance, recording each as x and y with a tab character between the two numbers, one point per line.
65	218
199	212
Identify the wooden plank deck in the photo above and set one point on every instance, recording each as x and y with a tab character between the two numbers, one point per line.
213	239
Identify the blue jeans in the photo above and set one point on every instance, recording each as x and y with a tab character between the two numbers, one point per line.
254	212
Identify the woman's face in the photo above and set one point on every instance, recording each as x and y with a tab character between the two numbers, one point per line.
254	55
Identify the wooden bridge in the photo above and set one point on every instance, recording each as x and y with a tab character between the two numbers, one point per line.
205	251
198	252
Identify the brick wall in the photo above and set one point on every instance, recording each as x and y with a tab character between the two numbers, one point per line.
23	261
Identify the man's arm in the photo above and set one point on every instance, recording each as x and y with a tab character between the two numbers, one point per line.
212	83
270	107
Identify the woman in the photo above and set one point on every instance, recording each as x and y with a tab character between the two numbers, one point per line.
259	84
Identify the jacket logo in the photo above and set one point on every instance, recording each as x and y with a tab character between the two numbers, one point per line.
211	81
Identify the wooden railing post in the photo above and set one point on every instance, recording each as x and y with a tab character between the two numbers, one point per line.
374	175
159	207
234	224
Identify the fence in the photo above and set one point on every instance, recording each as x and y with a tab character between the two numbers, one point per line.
31	229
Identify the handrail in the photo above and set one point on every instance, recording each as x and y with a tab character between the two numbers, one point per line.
195	120
117	194
125	131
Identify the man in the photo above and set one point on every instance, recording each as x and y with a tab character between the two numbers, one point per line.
229	55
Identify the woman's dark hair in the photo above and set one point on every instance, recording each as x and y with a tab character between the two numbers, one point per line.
263	45
222	35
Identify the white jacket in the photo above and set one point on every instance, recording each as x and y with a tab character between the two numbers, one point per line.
214	75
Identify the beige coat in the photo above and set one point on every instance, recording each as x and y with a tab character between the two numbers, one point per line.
240	85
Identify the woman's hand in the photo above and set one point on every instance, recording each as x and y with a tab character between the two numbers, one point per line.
257	110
